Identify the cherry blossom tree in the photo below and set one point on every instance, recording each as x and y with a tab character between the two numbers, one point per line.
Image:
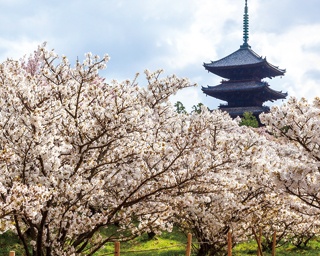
242	196
79	154
294	127
237	196
296	124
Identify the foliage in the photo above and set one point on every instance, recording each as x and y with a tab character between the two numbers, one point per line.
180	108
197	108
249	119
10	242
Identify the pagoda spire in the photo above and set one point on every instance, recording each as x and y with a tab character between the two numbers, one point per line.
245	26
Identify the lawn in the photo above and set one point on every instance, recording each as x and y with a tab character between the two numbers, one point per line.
250	248
168	244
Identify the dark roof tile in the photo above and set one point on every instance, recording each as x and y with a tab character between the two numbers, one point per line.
243	56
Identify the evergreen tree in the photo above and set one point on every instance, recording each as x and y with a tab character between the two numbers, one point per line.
249	119
180	108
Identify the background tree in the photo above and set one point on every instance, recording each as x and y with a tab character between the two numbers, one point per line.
249	119
197	108
180	108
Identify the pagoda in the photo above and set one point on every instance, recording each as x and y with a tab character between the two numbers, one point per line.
242	87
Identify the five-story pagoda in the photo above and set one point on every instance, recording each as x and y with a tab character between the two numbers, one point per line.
243	71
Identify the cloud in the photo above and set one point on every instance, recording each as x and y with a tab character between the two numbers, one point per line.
16	49
297	51
177	36
312	74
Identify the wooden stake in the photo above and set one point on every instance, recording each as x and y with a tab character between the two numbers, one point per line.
189	243
12	253
274	243
117	249
229	243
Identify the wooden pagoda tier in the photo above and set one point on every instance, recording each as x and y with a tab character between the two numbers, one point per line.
243	64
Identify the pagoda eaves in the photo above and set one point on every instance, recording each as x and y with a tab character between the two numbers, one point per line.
243	63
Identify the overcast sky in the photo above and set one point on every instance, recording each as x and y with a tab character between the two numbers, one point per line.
175	35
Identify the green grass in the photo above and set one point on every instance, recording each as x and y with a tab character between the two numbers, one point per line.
158	246
250	248
10	242
168	244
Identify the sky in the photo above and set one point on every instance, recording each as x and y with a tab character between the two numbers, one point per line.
177	36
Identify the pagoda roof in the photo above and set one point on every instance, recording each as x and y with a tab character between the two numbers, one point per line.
243	63
227	89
